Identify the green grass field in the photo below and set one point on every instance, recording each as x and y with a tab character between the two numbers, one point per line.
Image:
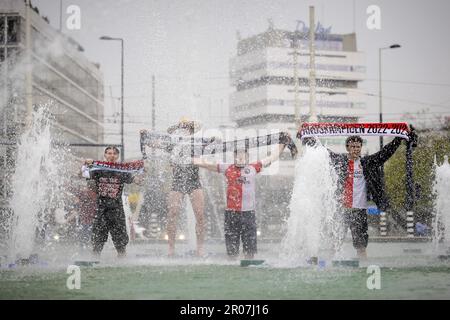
225	282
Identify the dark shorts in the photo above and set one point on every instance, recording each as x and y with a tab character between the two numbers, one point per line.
240	224
356	219
186	179
109	220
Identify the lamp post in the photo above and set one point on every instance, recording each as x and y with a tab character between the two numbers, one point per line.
122	154
28	66
394	46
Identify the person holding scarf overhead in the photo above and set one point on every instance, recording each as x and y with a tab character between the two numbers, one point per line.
109	178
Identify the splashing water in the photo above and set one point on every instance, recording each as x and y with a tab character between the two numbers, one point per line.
37	185
310	227
441	223
190	219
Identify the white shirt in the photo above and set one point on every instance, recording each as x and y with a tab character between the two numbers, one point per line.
355	193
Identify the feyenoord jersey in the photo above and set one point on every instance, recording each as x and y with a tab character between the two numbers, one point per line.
241	185
355	192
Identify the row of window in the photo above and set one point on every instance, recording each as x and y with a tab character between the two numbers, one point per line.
281	102
325	45
273	118
64	64
7	156
290	81
10	55
60	87
9	29
291	66
70	118
51	81
335	44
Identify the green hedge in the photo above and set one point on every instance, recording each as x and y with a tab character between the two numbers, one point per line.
430	146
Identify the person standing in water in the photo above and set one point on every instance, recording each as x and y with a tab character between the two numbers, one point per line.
185	181
110	216
240	218
360	178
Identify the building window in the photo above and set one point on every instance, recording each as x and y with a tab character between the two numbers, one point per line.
2	30
2	187
13	56
2	158
10	157
12	30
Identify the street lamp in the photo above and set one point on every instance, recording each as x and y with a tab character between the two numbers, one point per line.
394	46
122	154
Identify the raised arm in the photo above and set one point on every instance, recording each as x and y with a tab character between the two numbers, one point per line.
268	161
139	179
84	172
154	144
204	164
384	154
285	141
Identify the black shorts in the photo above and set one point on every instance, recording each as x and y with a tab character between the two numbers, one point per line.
109	219
240	224
356	219
186	179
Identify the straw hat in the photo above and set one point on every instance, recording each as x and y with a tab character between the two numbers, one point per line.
186	123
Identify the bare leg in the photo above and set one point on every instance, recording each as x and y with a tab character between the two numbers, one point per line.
198	205
121	252
174	205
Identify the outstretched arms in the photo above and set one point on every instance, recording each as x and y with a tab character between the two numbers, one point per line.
268	161
388	150
126	177
285	141
200	162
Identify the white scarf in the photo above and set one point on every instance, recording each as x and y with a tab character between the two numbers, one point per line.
324	129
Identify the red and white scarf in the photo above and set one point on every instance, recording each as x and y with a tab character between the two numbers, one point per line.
131	167
324	129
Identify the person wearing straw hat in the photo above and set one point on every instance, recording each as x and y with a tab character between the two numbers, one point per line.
185	180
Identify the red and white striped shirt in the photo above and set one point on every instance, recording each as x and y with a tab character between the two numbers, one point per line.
241	185
355	190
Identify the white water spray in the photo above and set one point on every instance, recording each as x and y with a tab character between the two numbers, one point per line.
441	223
190	219
37	185
310	227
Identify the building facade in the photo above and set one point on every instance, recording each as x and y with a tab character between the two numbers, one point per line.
61	78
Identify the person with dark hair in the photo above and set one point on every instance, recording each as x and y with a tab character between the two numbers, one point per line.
240	218
110	216
360	178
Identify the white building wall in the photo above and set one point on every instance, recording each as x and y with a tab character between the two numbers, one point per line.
279	62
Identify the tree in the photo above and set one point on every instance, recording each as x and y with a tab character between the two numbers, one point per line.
432	145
